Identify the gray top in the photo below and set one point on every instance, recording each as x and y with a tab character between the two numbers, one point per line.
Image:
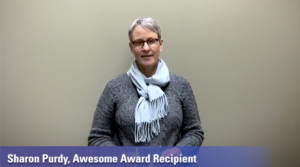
114	118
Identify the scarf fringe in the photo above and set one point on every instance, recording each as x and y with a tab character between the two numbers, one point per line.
144	130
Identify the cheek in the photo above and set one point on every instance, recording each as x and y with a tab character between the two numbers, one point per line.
136	54
157	52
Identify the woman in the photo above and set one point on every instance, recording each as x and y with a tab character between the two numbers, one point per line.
148	105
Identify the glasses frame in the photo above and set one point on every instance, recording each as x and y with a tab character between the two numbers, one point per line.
138	47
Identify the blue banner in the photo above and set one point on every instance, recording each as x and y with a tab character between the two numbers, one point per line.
135	156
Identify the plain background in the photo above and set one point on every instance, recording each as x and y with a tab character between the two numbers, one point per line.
241	58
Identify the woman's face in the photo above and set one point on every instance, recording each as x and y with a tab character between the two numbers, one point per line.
146	56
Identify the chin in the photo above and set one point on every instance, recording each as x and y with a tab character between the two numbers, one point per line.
148	63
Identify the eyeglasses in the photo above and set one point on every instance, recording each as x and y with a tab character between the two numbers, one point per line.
140	43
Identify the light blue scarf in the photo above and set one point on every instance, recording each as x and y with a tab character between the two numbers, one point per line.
153	103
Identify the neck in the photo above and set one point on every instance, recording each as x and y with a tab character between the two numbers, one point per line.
147	71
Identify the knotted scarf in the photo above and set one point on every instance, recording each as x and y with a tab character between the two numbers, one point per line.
152	104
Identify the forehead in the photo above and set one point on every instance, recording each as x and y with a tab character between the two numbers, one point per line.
140	32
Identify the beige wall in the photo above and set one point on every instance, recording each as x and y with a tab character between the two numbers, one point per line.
241	57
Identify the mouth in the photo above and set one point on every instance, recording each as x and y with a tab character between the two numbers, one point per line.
147	56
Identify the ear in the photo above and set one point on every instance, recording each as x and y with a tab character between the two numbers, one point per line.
131	47
161	44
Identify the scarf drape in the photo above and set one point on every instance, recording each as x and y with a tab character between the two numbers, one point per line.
152	104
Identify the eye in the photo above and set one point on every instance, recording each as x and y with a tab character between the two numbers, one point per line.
151	41
138	43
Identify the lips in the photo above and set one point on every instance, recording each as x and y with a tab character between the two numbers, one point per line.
147	55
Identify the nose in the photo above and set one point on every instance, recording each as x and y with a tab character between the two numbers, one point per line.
146	46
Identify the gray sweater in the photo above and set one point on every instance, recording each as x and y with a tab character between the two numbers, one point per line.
114	118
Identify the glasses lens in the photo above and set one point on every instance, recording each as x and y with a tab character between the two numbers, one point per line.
138	43
152	42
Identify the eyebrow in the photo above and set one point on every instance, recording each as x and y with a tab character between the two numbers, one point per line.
144	40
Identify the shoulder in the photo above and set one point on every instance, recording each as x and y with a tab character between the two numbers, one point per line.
117	85
180	85
119	81
178	80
